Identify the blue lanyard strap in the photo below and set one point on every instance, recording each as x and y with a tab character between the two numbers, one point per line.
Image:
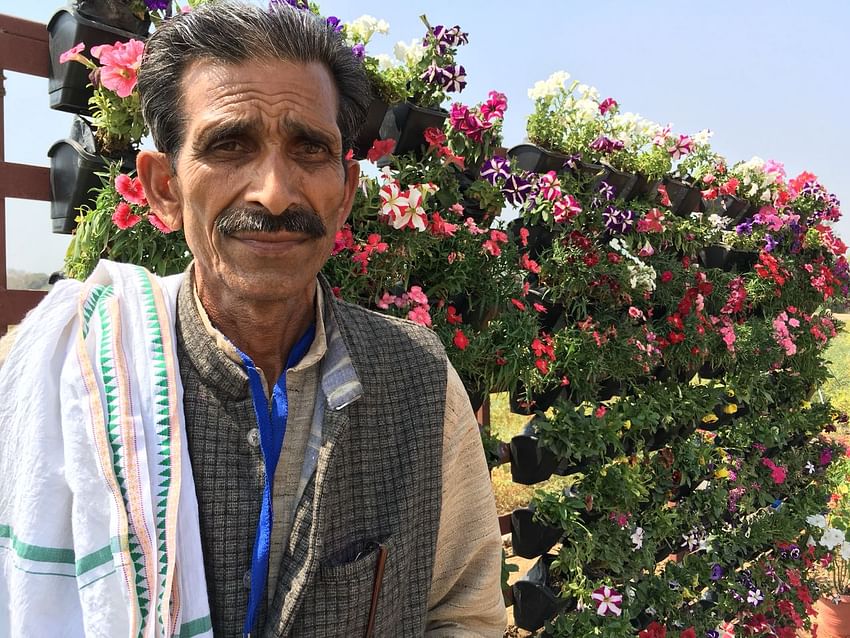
272	425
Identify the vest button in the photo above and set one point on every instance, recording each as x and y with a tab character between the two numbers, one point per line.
254	437
246	579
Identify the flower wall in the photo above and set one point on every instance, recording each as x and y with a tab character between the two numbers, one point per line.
659	312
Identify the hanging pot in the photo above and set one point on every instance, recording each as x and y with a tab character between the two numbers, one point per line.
535	601
525	403
532	158
552	320
529	538
530	462
707	371
715	256
644	187
68	84
684	199
743	261
406	124
73	174
733	208
114	13
623	183
371	129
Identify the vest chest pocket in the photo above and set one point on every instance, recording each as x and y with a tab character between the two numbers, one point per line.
341	601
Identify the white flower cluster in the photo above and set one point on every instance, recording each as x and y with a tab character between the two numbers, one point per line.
831	537
409	54
363	28
641	276
550	87
755	179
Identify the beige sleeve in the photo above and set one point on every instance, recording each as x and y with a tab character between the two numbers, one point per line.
466	597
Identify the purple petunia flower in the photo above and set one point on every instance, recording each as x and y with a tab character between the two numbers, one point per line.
605	144
618	221
359	51
572	161
157	5
606	190
712	633
335	23
716	572
456	80
434	74
494	169
770	243
516	190
745	227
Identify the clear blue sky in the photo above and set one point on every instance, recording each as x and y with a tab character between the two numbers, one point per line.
770	78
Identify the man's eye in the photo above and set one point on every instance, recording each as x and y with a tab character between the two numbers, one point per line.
226	146
312	148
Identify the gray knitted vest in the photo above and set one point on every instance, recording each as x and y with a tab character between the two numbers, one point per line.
378	479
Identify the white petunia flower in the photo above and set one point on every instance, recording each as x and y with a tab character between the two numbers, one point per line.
549	87
411	53
637	539
832	537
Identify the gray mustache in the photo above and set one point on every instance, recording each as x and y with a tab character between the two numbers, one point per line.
295	219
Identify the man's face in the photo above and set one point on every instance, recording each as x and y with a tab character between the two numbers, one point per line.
260	138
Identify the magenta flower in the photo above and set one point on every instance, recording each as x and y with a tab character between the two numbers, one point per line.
494	108
607	601
120	65
681	147
607	104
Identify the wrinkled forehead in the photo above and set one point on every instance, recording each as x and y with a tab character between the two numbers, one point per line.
276	92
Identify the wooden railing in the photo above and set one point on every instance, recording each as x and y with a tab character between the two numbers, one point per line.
23	49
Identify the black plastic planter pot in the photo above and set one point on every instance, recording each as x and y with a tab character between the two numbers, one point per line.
68	84
553	319
623	183
371	129
114	14
644	187
530	462
743	260
707	371
535	601
715	256
528	404
73	168
684	199
734	208
530	157
530	539
406	124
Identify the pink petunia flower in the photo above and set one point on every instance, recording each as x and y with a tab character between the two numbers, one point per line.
120	65
73	54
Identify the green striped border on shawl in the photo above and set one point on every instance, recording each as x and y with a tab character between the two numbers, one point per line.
107	368
163	416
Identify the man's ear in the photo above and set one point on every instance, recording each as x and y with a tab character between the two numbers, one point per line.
160	184
352	181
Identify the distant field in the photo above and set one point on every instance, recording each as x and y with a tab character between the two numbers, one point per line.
504	425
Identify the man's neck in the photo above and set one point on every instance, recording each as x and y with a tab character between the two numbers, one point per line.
265	330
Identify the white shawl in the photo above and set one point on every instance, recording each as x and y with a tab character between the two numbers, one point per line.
99	531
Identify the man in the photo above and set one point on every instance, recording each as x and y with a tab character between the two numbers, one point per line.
322	474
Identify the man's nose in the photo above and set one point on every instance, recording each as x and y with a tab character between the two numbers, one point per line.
274	182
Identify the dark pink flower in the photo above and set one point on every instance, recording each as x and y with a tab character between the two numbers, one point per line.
123	217
130	188
157	223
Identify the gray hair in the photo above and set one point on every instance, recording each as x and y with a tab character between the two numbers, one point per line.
235	32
